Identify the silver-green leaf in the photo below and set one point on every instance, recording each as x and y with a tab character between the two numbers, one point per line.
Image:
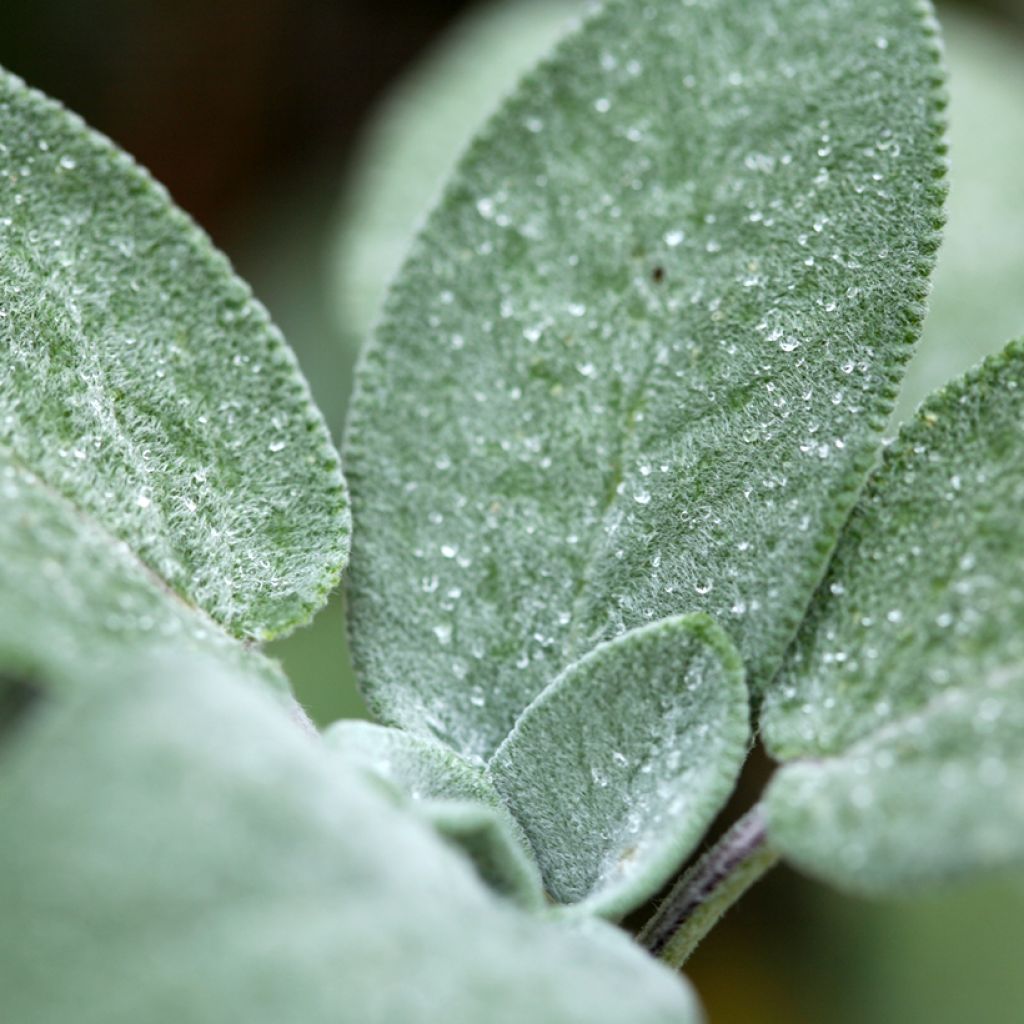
901	704
639	359
142	383
174	850
617	769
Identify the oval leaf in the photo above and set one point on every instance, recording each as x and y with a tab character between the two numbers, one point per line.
638	361
143	383
618	768
232	870
905	688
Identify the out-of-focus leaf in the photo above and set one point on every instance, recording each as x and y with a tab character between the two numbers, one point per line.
617	769
175	851
902	701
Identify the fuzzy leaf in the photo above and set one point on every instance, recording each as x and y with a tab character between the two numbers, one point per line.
903	697
233	870
617	769
638	361
421	129
143	384
457	798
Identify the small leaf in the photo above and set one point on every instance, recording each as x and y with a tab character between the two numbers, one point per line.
903	697
618	768
174	850
415	138
638	362
143	384
457	798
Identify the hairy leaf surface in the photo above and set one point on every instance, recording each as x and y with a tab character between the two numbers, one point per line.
638	361
142	382
234	870
620	765
903	697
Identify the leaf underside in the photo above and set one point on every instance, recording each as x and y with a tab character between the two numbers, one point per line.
144	385
618	768
638	361
902	701
233	870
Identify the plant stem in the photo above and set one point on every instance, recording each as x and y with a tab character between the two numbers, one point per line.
704	892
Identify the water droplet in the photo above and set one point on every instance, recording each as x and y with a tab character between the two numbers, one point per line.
443	634
68	163
674	238
602	105
143	501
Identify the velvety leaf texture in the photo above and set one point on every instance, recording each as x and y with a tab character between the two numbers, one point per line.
457	798
638	361
619	767
233	870
903	697
143	383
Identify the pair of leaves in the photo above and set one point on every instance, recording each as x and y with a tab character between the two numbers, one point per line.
174	846
636	366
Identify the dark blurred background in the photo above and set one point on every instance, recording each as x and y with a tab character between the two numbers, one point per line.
252	114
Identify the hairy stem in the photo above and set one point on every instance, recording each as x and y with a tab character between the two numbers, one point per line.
704	892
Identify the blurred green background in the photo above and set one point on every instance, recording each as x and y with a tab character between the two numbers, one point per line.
308	138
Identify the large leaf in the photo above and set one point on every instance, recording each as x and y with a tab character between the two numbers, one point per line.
175	851
417	135
621	764
902	701
143	383
638	361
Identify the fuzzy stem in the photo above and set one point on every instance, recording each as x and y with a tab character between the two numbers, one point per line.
704	893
